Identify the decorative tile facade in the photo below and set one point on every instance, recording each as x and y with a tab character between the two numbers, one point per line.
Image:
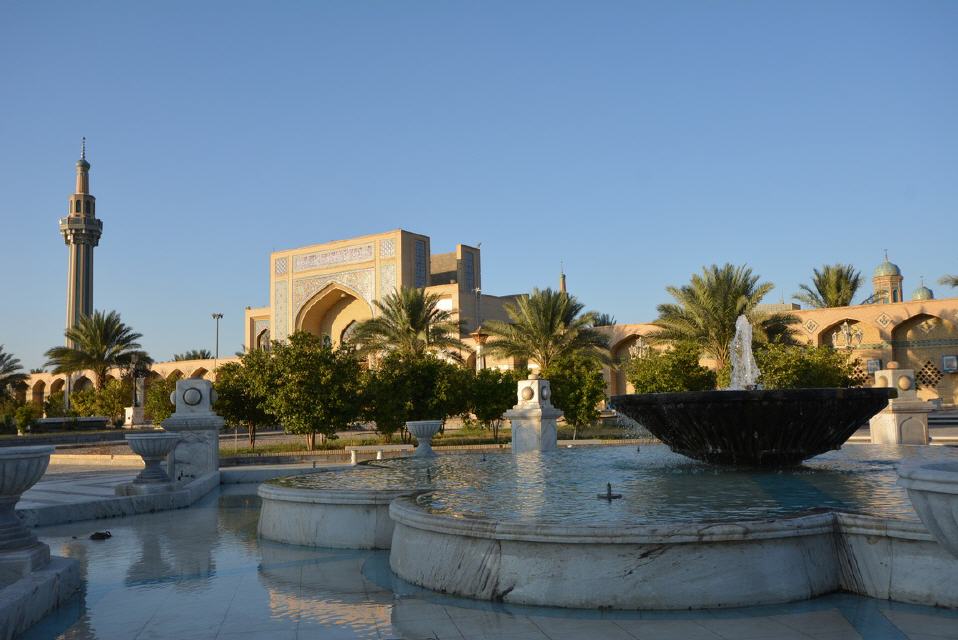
281	309
387	248
333	257
387	279
810	326
281	266
361	281
883	320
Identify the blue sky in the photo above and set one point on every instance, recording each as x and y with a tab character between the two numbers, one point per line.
633	141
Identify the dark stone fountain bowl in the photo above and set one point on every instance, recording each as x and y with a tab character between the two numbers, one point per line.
758	428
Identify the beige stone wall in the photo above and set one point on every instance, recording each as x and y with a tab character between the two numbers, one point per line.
916	334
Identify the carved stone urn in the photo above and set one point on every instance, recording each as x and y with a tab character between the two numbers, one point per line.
933	489
424	430
20	551
153	448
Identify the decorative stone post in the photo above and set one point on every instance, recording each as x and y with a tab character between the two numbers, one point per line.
198	451
905	419
533	418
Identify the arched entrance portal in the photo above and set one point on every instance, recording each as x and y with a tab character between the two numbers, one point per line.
916	343
332	313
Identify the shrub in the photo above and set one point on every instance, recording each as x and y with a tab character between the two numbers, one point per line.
676	369
795	367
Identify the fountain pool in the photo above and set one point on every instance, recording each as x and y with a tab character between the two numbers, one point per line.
529	529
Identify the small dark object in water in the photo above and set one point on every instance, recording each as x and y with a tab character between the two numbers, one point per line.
608	495
100	535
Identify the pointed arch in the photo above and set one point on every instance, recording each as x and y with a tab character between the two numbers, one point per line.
330	311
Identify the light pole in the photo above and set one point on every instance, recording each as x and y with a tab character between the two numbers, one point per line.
133	361
217	317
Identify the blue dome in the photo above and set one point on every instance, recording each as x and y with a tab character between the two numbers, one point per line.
923	293
887	268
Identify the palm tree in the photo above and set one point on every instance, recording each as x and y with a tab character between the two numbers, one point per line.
99	341
949	281
706	309
545	326
603	320
11	373
409	322
194	354
834	286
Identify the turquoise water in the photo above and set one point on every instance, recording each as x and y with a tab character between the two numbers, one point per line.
657	485
201	573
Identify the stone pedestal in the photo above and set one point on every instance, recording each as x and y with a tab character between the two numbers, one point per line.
31	582
533	418
905	419
198	452
135	417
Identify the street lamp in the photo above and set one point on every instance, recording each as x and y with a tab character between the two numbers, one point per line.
480	337
217	317
133	362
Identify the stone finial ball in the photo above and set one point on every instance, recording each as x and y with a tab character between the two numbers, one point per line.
881	381
527	393
545	393
192	397
892	365
904	383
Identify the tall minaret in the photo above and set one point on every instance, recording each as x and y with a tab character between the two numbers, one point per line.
81	232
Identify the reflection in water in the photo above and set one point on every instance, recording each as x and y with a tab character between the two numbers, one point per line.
658	486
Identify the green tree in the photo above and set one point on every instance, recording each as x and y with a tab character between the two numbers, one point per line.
53	405
83	402
578	387
157	405
241	392
411	323
111	401
194	354
11	373
316	389
705	311
546	326
794	367
384	397
675	369
492	392
834	286
949	281
25	416
99	342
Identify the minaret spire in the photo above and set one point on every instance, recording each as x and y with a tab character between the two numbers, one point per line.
81	232
562	288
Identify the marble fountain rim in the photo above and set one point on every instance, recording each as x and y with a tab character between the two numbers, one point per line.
407	510
27	451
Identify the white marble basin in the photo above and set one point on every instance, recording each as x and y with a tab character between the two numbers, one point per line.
933	489
153	448
424	430
21	467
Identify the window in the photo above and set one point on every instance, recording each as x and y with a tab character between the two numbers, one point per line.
469	270
78	206
420	264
